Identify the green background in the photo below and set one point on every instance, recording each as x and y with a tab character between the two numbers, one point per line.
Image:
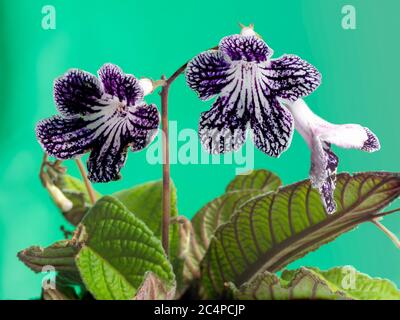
148	38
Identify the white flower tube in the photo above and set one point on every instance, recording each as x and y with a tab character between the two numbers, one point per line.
319	135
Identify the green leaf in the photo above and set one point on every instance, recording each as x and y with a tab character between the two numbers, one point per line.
218	211
310	283
145	201
256	179
359	285
60	255
294	285
117	251
274	229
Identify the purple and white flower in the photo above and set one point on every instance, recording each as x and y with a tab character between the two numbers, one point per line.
265	94
104	116
319	135
248	84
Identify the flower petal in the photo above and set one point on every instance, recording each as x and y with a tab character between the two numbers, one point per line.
77	92
145	119
64	138
351	136
290	77
324	164
118	84
223	129
114	133
272	125
372	143
247	48
207	73
106	159
319	135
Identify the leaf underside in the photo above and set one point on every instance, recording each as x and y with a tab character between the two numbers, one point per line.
272	230
219	211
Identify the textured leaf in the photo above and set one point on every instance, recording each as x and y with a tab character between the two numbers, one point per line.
294	285
359	285
256	179
153	288
117	250
310	283
60	255
145	201
219	211
274	229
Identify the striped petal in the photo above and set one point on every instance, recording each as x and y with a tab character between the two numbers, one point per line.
246	48
324	165
145	121
290	77
223	128
118	84
76	93
115	131
272	125
207	73
64	138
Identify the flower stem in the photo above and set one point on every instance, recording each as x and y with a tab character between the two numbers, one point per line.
166	196
389	233
88	185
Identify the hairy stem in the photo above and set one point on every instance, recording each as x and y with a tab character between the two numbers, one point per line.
88	185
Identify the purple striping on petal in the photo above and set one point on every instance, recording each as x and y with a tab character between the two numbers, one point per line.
332	160
124	86
372	143
145	117
106	161
76	93
273	129
329	185
326	191
221	129
64	138
137	129
290	77
246	48
207	74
